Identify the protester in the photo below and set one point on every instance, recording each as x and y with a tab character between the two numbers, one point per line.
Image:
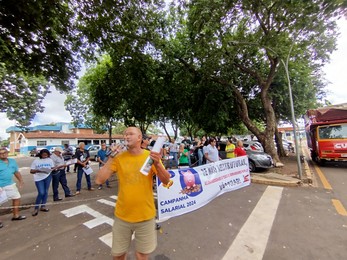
229	149
135	210
8	169
187	142
211	151
239	150
76	164
42	168
103	154
173	152
183	155
82	156
59	175
67	154
146	140
201	145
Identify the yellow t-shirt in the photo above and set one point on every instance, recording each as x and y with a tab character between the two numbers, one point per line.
135	201
229	148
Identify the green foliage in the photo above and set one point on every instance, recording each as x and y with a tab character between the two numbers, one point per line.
37	39
203	66
5	143
21	95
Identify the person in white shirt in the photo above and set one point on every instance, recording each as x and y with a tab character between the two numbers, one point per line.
42	169
59	175
211	151
173	148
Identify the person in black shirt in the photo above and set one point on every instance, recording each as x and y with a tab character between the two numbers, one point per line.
82	156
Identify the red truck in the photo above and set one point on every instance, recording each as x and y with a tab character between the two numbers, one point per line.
326	131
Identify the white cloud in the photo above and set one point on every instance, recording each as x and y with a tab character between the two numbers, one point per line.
54	112
5	123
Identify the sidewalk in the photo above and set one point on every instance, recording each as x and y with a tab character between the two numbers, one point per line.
288	174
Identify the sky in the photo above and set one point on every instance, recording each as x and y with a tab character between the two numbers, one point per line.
335	74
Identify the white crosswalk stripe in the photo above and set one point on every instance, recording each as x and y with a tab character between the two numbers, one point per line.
252	239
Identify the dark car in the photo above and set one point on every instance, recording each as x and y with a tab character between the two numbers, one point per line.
258	160
36	151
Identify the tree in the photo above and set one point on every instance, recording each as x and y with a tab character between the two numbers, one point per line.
21	96
37	50
240	45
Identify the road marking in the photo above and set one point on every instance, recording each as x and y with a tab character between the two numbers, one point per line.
107	239
252	239
339	207
324	180
99	218
107	202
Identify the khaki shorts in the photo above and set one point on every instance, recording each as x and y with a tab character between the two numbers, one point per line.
145	236
12	192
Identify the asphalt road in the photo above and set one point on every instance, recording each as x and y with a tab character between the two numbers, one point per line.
256	222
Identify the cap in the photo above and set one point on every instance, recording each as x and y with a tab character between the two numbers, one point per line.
58	149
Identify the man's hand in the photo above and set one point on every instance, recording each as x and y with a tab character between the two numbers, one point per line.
156	157
20	184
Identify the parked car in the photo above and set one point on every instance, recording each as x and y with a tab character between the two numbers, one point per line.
287	146
258	160
93	151
36	151
253	145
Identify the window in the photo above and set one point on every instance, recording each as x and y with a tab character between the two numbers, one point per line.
41	143
333	132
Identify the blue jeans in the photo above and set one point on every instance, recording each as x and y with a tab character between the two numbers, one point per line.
42	189
200	156
174	159
59	177
79	179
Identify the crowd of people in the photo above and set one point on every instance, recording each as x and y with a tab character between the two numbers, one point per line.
135	209
201	151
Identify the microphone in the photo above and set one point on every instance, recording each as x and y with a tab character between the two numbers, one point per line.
116	149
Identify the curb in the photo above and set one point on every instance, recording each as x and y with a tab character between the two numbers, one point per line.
255	178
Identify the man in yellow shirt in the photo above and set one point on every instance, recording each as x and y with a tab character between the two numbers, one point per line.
229	149
135	209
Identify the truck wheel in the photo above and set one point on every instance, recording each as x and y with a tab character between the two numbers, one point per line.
314	157
321	162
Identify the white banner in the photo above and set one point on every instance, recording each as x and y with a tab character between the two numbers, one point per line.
191	188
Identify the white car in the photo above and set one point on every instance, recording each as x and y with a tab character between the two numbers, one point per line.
93	151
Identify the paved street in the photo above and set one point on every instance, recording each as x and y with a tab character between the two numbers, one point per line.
256	222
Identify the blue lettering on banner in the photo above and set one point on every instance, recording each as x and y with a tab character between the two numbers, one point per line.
173	208
175	200
178	207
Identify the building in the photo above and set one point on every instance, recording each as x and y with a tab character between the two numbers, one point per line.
288	132
51	135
